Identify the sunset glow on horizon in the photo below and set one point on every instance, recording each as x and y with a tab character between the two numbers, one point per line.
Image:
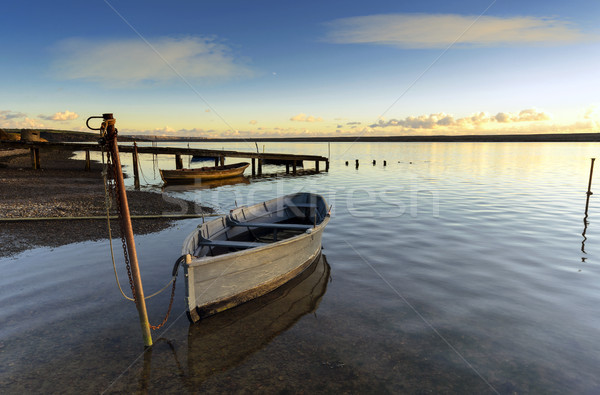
272	69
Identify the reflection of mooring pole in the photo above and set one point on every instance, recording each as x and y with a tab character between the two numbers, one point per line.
111	137
589	191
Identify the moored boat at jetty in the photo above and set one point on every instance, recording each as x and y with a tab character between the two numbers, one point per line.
183	176
251	251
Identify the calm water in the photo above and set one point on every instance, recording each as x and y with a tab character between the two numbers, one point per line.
455	268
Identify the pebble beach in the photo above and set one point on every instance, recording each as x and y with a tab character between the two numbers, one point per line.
62	188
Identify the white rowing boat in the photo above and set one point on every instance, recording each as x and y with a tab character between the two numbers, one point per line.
251	251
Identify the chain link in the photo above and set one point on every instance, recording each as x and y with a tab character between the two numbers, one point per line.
164	321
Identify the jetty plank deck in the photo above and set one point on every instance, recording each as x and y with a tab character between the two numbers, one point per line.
36	146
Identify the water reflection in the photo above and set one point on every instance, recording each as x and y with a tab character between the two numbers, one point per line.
210	184
224	340
585	225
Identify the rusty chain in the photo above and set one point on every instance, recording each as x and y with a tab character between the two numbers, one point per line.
164	321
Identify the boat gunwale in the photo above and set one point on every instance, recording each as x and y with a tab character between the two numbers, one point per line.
208	169
205	260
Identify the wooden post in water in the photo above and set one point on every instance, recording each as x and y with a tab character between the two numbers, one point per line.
222	160
111	138
260	163
317	165
87	160
589	191
253	167
35	158
287	167
374	162
357	163
136	171
178	162
294	167
327	165
384	163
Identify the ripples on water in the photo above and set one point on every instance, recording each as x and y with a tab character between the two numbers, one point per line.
456	268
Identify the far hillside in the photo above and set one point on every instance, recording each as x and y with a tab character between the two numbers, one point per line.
64	136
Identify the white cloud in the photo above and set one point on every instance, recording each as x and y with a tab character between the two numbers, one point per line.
6	115
442	30
60	116
592	113
477	120
253	122
133	61
305	118
18	120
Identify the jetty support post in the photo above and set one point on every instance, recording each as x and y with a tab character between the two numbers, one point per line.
222	158
287	167
128	230
35	158
317	165
136	170
253	167
260	163
87	160
216	161
294	167
327	165
589	191
178	162
357	163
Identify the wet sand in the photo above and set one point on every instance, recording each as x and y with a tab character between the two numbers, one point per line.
62	188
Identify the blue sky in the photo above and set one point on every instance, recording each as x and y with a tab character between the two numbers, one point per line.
266	68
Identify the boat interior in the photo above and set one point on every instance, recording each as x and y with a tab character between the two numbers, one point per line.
255	226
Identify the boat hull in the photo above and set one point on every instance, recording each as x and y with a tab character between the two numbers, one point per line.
203	174
218	283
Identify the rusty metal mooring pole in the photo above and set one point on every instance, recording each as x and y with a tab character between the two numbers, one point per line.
111	137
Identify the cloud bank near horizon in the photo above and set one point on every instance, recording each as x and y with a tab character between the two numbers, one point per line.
60	116
525	121
475	121
427	31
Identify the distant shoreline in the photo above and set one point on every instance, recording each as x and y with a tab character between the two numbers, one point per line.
500	138
70	136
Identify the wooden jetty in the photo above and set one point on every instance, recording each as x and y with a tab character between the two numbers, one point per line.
256	158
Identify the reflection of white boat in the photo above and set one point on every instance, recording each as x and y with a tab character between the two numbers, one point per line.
203	173
252	251
224	340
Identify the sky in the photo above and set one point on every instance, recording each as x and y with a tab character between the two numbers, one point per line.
311	68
